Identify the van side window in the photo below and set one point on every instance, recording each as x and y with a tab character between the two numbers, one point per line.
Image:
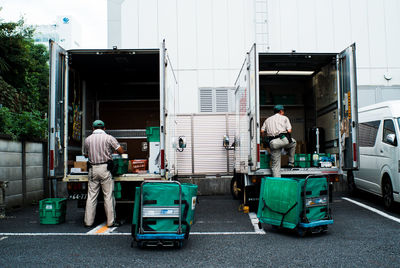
367	133
389	133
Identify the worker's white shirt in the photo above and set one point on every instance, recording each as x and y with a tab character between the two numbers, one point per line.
276	124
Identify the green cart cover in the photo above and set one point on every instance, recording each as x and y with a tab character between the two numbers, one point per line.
282	201
159	194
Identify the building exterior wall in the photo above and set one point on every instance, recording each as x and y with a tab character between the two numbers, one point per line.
332	25
208	39
21	164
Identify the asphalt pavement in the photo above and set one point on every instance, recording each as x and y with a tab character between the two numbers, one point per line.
222	236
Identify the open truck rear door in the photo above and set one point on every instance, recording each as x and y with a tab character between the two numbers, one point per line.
348	112
253	111
171	85
57	110
247	121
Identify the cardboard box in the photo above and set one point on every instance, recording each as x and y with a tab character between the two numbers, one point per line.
81	165
301	147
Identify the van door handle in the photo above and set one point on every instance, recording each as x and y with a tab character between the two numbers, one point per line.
381	151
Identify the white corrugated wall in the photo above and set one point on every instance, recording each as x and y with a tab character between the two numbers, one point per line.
205	154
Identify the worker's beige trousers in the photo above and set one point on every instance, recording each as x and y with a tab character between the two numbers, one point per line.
100	177
276	146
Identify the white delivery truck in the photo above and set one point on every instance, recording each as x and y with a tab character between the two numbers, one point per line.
318	91
130	90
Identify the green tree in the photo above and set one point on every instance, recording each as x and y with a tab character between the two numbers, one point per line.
24	78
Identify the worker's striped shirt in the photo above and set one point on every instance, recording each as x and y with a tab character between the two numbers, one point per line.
99	146
276	124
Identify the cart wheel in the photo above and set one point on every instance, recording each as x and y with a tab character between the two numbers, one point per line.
260	225
301	232
324	229
140	244
132	244
274	228
179	244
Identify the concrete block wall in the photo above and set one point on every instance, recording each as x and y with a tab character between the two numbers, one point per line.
21	164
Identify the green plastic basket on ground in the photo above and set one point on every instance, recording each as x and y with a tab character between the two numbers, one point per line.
52	210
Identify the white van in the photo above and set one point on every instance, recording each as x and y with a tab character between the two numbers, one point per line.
379	152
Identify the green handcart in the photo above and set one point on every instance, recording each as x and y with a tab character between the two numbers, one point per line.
163	213
295	203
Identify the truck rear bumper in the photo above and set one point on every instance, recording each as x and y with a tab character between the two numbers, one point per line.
125	177
298	171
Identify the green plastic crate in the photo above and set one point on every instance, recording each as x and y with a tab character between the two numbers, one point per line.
302	157
52	210
120	166
302	160
302	164
158	194
117	190
285	195
265	159
153	134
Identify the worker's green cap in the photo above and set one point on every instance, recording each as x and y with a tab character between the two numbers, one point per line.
279	107
98	123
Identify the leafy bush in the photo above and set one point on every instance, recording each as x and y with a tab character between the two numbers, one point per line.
27	125
6	121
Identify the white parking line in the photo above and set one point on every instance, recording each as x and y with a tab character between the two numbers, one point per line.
254	220
383	214
1	239
102	229
59	234
126	234
225	233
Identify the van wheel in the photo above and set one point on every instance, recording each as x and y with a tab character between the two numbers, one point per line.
351	185
387	193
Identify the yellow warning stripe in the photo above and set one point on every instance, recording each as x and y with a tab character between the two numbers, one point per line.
102	229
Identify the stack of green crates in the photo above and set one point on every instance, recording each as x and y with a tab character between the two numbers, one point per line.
265	159
160	194
153	134
52	210
302	160
282	200
117	190
120	166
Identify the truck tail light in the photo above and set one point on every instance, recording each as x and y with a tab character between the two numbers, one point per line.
51	164
258	152
162	159
354	152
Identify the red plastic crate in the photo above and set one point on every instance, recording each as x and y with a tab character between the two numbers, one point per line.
139	165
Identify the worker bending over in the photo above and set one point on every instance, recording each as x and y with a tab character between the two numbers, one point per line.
278	131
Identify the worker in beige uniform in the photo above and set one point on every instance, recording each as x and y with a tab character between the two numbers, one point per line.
278	131
98	148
